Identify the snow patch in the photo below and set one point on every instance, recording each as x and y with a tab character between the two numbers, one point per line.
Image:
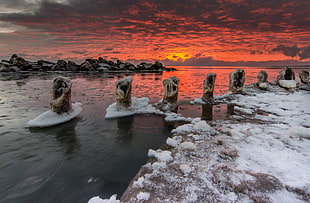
143	196
97	199
187	146
186	169
162	156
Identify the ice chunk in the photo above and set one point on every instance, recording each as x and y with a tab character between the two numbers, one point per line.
139	183
183	129
139	105
287	83
187	146
163	156
299	132
186	169
97	199
143	196
172	142
202	126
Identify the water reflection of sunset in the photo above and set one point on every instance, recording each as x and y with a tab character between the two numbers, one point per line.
151	84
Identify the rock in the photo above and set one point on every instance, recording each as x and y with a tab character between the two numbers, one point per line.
72	66
304	76
19	62
86	66
61	95
102	60
62	64
14	69
208	87
262	82
105	65
129	66
102	69
236	81
145	66
123	93
157	66
45	65
4	67
170	99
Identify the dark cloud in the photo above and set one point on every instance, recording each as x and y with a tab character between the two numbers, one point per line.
293	51
98	25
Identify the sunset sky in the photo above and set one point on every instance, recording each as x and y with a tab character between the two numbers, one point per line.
189	32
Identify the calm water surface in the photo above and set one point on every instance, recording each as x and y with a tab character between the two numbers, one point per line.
89	155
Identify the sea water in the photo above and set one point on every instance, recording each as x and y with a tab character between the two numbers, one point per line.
89	155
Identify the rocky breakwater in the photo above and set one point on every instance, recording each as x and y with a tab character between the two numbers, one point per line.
17	64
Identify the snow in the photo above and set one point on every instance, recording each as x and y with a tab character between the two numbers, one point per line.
139	106
97	199
287	83
172	142
143	196
162	156
50	118
261	154
186	169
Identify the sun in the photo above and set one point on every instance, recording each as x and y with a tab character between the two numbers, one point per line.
178	55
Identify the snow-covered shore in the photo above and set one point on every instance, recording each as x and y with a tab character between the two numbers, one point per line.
260	154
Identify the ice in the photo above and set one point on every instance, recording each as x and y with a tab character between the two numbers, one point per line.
187	146
172	142
287	83
186	169
139	182
201	126
50	118
163	156
97	199
299	132
260	154
143	196
142	106
139	106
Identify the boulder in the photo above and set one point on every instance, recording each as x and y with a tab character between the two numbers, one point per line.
86	66
14	69
102	60
72	66
4	67
45	65
19	62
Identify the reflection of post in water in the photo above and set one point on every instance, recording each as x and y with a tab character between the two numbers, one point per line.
207	112
65	135
124	128
230	109
219	112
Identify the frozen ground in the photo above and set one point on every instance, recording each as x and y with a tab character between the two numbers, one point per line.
260	154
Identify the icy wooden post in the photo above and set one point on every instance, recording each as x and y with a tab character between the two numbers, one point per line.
170	94
61	95
262	82
304	76
287	79
123	93
208	87
236	81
